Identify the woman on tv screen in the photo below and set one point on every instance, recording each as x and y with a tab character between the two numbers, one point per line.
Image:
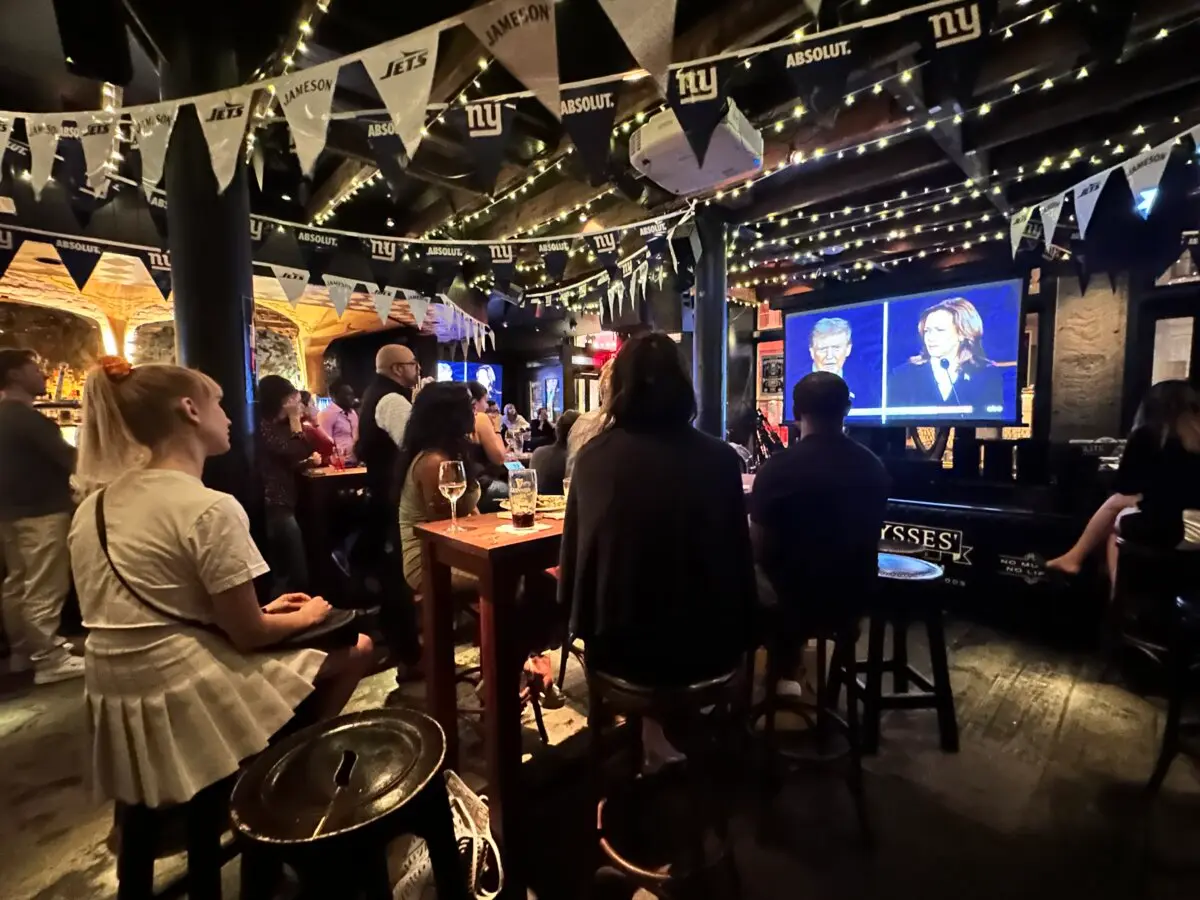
951	369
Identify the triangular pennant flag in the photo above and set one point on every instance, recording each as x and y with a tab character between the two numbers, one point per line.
153	125
1192	240
587	116
463	343
477	338
387	148
258	162
158	264
1051	210
80	258
306	98
1082	270
1016	226
818	66
605	245
554	256
97	135
317	249
9	244
954	39
6	124
340	289
1195	133
42	133
402	71
504	260
223	118
1106	26
1087	193
697	94
292	281
648	29
1144	172
522	35
486	126
491	333
446	258
418	306
383	303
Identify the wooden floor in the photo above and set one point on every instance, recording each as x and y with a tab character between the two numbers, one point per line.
1041	802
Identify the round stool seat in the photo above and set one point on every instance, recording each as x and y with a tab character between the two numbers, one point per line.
336	777
628	697
895	567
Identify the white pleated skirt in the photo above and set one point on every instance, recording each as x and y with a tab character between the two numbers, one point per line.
174	711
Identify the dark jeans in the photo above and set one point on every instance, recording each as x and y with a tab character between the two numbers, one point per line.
285	553
376	567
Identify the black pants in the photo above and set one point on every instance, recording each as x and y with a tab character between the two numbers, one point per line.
377	568
285	553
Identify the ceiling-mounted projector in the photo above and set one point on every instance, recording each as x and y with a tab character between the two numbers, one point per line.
660	151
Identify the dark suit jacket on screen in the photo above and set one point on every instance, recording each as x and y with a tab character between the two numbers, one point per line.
914	384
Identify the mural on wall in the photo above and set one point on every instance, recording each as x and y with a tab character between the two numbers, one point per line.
68	344
275	353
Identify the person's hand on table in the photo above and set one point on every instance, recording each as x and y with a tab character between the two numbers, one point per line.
286	603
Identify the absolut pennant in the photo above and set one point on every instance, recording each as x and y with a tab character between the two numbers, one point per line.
554	255
587	115
80	257
818	67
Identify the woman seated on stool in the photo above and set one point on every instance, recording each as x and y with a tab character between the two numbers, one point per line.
487	452
656	563
180	688
1158	478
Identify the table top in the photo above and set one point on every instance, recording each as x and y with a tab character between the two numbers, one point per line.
482	536
330	471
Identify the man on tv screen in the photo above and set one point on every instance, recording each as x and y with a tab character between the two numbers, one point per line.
829	345
951	368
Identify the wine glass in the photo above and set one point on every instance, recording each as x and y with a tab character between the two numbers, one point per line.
452	482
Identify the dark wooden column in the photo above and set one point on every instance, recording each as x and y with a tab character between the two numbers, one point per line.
710	342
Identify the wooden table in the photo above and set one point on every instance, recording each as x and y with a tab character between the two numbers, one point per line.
498	560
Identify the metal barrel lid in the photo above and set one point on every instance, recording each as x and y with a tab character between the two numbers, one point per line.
336	776
908	568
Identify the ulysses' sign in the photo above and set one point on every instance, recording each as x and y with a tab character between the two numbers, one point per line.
932	541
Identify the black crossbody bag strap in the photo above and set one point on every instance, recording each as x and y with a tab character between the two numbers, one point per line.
102	533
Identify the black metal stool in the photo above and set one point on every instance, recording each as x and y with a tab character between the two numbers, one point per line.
206	816
706	714
328	800
1182	663
906	599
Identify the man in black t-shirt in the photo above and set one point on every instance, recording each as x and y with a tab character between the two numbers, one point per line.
816	514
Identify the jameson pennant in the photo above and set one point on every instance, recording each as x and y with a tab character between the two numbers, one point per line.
954	39
521	34
648	29
152	126
418	306
387	147
402	71
8	248
554	255
340	290
223	119
606	245
587	115
818	67
97	136
1016	227
504	260
1087	193
486	126
1051	211
383	302
306	98
292	281
80	258
42	132
697	94
1145	171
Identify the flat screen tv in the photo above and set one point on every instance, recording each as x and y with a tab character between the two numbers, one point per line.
939	356
487	374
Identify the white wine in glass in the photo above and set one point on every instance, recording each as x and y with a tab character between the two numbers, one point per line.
452	482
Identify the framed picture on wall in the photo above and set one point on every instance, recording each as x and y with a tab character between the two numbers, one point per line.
536	397
771	375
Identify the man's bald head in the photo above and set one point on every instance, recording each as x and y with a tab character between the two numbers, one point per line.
397	362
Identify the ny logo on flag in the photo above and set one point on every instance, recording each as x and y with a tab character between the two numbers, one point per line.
255	228
383	250
501	253
483	119
956	26
409	61
697	85
159	259
6	239
606	243
227	111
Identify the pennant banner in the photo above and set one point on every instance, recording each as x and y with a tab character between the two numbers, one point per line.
521	34
97	136
80	258
1016	226
446	256
306	99
402	71
387	148
383	303
158	265
223	118
258	162
486	126
1051	210
6	123
819	66
605	244
504	260
954	40
1087	193
8	249
655	235
317	248
554	256
587	116
419	306
43	133
697	95
340	289
648	29
152	126
1145	171
292	281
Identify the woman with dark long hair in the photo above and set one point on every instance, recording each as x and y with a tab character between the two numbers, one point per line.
1159	477
439	430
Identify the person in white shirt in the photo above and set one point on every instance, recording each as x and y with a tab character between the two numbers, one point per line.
512	420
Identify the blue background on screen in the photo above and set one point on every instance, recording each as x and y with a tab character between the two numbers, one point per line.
998	304
497	381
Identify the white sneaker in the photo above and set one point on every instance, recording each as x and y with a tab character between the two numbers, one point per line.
64	669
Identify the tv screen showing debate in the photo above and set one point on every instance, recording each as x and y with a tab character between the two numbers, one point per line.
921	358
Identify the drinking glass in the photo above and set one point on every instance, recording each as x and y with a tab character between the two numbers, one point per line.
522	497
452	482
566	488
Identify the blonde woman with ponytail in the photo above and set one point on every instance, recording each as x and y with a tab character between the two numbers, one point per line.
179	686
